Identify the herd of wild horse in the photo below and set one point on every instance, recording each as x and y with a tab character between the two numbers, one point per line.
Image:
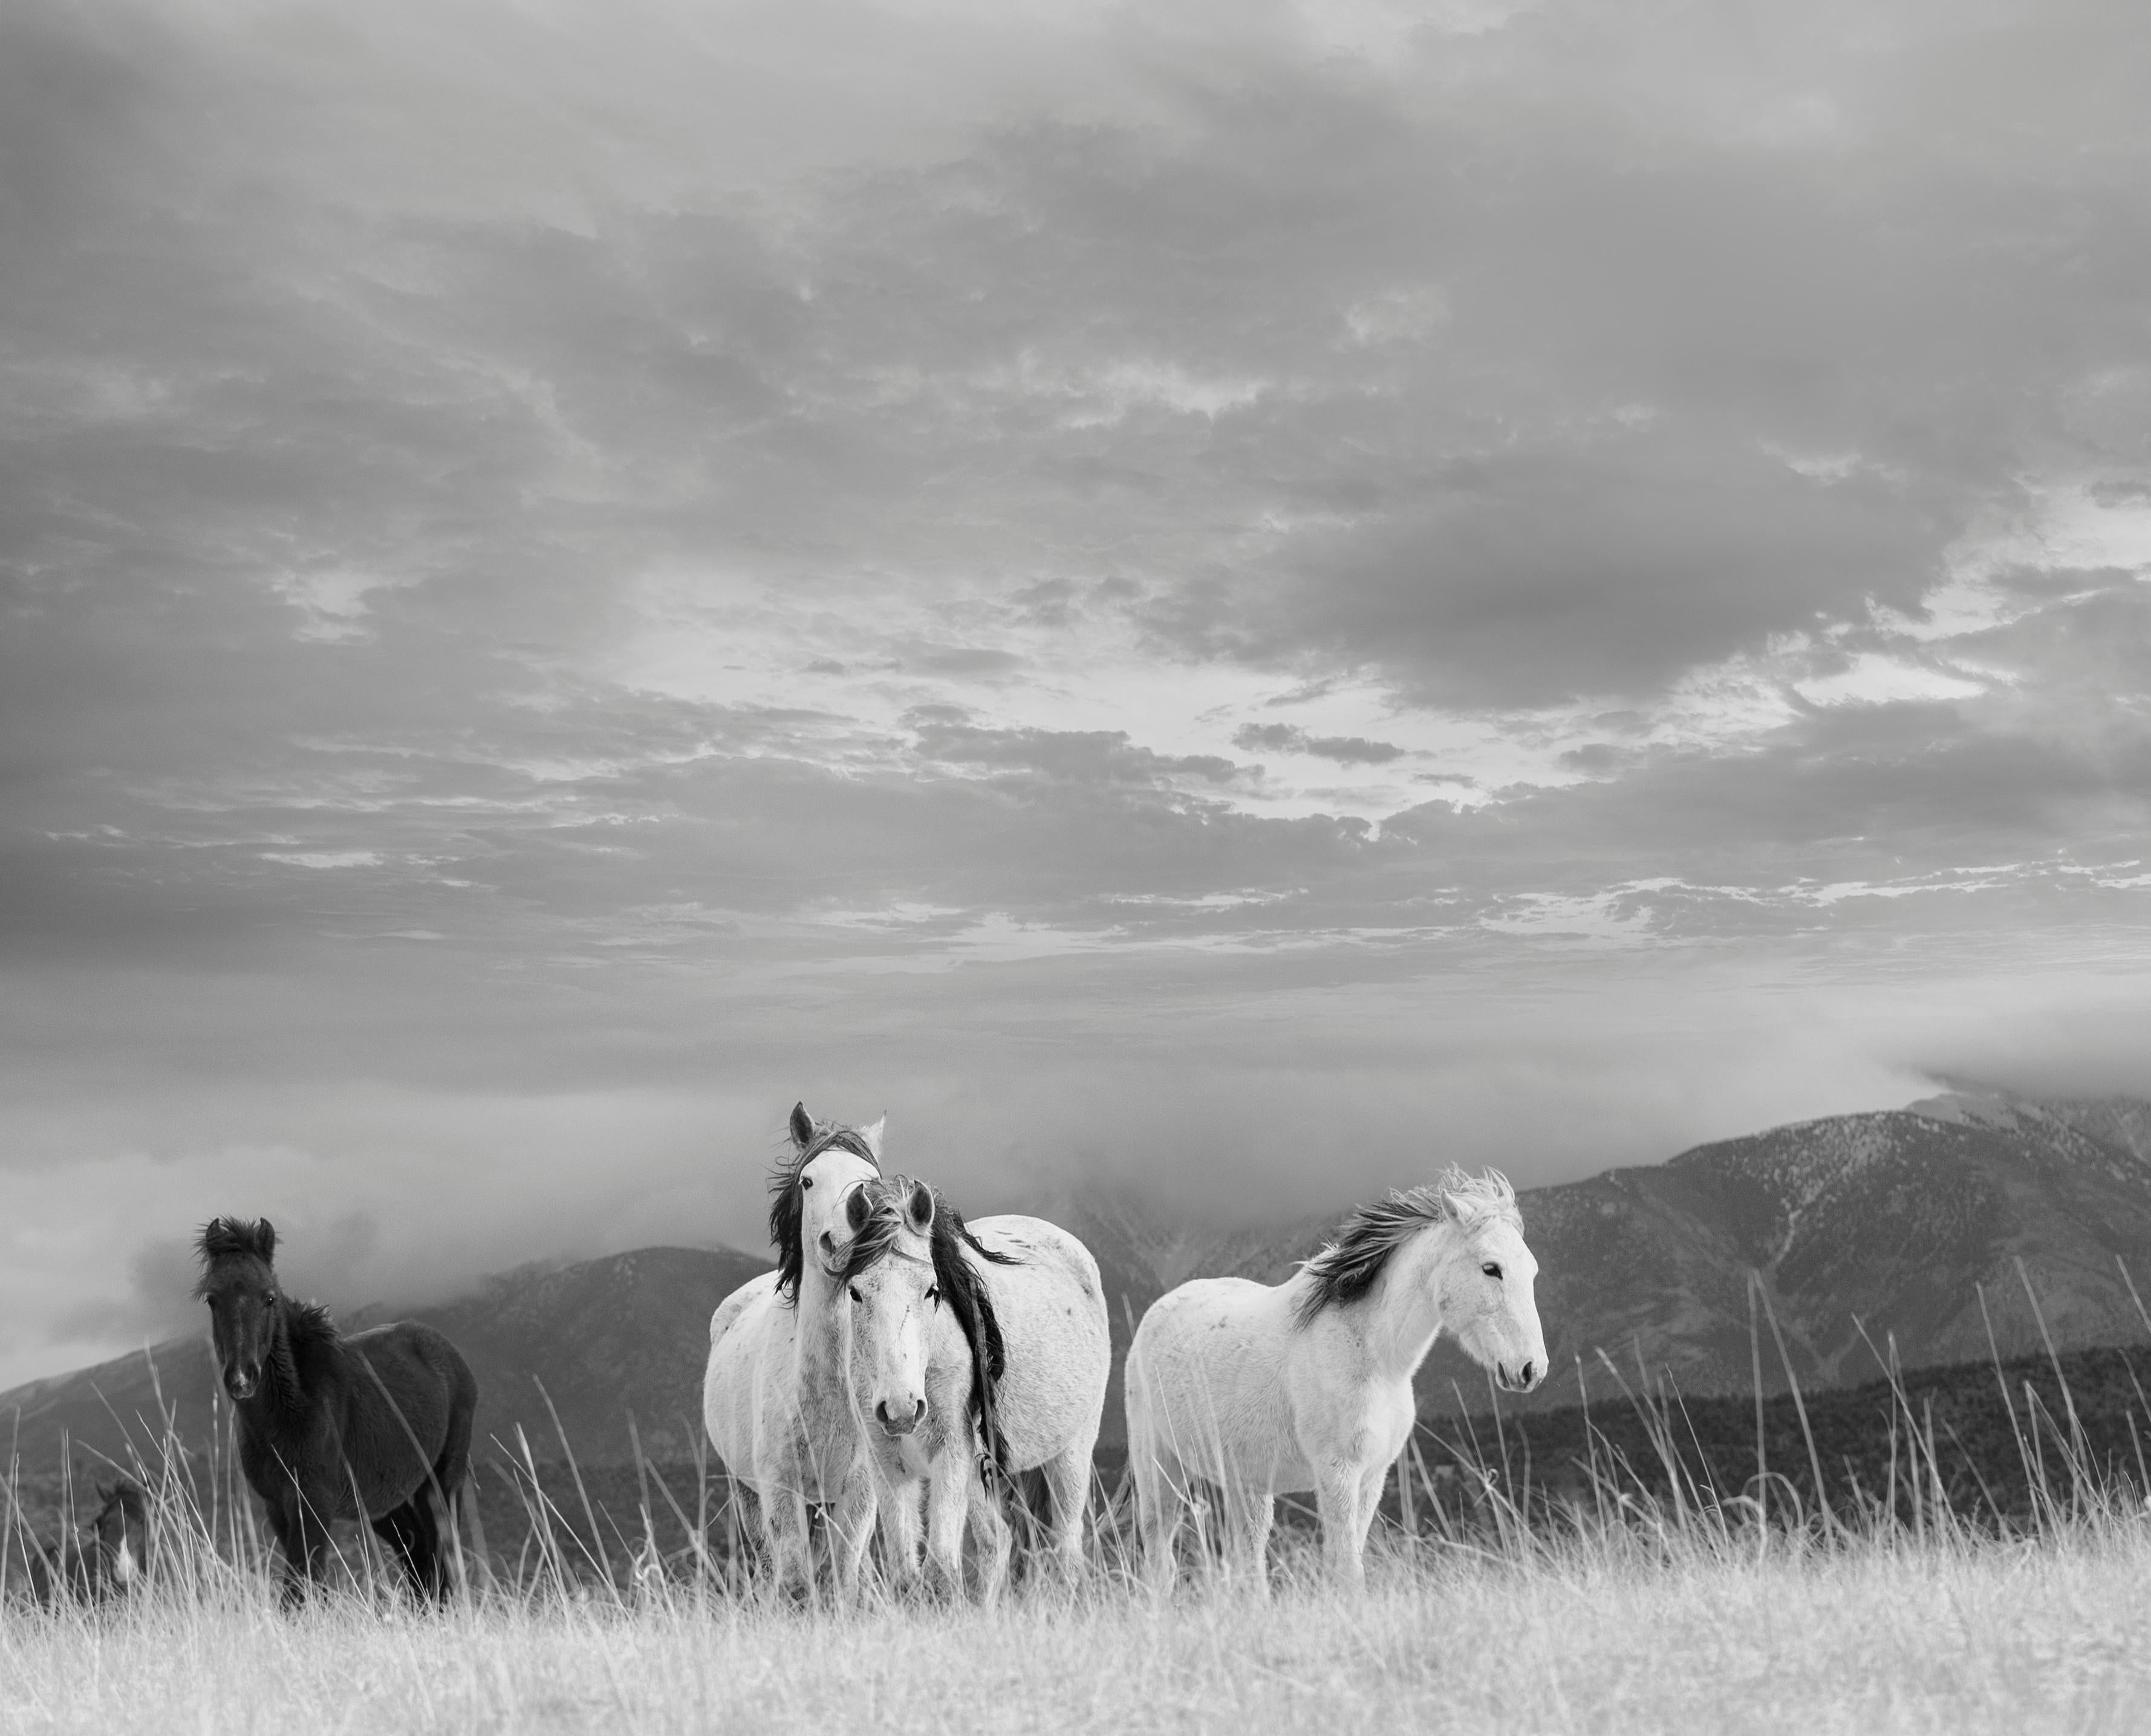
899	1370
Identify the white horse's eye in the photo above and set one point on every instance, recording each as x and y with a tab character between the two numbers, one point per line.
805	1182
1492	1271
856	1297
934	1292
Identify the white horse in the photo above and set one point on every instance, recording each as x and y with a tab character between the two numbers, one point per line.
774	1394
777	1403
975	1352
1270	1389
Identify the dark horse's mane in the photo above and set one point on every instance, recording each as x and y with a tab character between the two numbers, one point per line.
1346	1269
961	1288
785	1209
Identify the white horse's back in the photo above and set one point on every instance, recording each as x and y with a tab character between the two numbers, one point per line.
1052	1311
739	1331
1209	1384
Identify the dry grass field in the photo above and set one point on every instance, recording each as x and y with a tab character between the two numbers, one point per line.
1685	1609
1628	1625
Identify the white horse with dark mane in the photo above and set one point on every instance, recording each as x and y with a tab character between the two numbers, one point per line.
921	1355
773	1395
1272	1389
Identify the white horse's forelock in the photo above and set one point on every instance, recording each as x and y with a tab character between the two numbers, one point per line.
1478	1196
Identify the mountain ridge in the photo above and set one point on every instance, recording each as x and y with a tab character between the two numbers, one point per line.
1921	1232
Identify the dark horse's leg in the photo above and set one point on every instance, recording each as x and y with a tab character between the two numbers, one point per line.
410	1531
304	1538
450	1483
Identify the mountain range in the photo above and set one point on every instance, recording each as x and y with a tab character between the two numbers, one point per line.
1930	1229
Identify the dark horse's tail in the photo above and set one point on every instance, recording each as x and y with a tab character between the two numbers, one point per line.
966	1292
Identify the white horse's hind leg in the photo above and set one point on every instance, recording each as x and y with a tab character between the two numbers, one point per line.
990	1526
1158	1503
1068	1486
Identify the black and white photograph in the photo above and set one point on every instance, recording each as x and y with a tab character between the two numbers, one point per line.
1222	866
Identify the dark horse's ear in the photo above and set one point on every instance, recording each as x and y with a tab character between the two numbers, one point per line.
802	1127
266	1241
856	1209
918	1209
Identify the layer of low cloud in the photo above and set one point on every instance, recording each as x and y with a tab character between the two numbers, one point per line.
1269	593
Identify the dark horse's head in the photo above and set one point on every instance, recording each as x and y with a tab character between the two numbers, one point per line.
239	1284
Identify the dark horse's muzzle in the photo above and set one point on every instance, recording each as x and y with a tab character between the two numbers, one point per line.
241	1383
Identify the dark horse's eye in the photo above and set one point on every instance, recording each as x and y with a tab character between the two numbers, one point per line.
1492	1271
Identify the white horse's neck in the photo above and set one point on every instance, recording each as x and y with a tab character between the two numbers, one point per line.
1403	1317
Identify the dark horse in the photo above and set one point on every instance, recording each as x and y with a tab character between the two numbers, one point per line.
109	1557
374	1427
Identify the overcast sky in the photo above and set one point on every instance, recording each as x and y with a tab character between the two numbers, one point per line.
1247	598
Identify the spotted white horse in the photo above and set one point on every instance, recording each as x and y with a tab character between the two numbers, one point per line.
1272	1389
975	1352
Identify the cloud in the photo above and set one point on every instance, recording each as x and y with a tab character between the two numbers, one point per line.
1289	738
1177	593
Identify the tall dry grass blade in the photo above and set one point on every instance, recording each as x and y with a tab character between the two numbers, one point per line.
2076	1437
1800	1408
1755	1366
582	1493
2001	1383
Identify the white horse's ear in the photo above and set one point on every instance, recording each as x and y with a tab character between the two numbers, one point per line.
802	1128
918	1209
1465	1210
871	1133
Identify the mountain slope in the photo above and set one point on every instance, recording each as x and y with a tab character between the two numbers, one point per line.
1903	1221
606	1336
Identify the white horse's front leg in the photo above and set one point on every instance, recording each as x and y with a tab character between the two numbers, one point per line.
947	1500
785	1538
899	1507
850	1518
1345	1517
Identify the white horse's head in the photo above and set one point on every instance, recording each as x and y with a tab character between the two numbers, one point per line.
1487	1282
888	1302
808	1219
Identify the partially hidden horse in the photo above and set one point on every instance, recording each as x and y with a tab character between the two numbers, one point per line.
374	1426
773	1389
1265	1389
108	1557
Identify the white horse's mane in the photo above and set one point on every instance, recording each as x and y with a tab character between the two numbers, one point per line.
1348	1264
